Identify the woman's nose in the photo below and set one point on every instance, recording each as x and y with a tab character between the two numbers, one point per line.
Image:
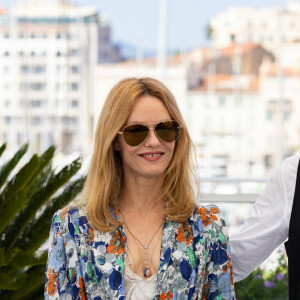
152	139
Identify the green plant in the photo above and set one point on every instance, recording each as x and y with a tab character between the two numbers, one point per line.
265	285
28	199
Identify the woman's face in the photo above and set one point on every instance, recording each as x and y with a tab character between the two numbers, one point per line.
152	157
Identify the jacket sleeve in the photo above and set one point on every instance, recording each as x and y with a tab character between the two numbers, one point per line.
268	223
56	274
218	278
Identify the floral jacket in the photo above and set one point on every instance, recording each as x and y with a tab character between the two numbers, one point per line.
87	264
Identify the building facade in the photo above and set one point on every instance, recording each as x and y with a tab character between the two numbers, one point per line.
269	26
48	56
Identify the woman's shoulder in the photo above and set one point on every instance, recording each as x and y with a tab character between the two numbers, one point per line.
207	216
69	215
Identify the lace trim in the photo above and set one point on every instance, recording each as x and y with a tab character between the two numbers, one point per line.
137	288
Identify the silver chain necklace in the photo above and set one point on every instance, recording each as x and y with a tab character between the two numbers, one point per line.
147	271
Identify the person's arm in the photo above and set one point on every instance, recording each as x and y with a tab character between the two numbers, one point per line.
218	279
267	225
56	274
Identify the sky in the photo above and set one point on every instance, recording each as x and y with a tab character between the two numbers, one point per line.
135	22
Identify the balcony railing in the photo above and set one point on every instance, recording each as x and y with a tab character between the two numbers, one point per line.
233	190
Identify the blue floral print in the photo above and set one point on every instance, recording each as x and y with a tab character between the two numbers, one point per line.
87	264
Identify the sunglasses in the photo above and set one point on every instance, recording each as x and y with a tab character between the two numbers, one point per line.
135	134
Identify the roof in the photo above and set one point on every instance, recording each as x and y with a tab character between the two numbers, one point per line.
243	48
287	71
174	60
227	83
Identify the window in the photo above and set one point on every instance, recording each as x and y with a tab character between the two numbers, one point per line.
25	69
36	103
33	69
35	121
74	86
32	36
25	86
37	86
272	104
73	121
58	53
7	120
74	52
268	160
6	53
58	35
39	69
269	115
74	103
287	109
75	69
6	35
287	115
222	101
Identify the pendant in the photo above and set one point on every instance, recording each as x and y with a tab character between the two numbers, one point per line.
147	272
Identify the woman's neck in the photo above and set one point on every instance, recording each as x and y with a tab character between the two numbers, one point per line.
141	195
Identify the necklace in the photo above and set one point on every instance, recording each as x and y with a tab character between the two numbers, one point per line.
136	278
150	261
147	272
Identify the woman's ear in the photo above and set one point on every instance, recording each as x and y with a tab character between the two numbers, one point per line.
116	145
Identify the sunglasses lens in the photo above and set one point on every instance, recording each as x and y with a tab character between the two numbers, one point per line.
135	134
168	131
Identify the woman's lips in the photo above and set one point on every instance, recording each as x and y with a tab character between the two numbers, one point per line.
152	156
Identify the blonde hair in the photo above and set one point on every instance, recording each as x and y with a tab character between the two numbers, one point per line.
105	175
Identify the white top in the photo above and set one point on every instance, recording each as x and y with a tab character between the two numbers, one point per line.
137	288
268	223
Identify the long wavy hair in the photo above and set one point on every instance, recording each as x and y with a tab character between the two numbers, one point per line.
105	175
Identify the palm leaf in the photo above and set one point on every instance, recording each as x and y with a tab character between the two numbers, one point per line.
45	160
27	203
41	181
8	282
38	230
24	259
2	148
37	294
10	165
10	209
37	200
35	278
9	256
2	257
19	181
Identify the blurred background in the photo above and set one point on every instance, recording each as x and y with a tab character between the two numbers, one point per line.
233	66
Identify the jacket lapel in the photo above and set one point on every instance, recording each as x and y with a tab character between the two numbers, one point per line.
167	248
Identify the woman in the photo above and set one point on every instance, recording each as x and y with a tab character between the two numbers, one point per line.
137	234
